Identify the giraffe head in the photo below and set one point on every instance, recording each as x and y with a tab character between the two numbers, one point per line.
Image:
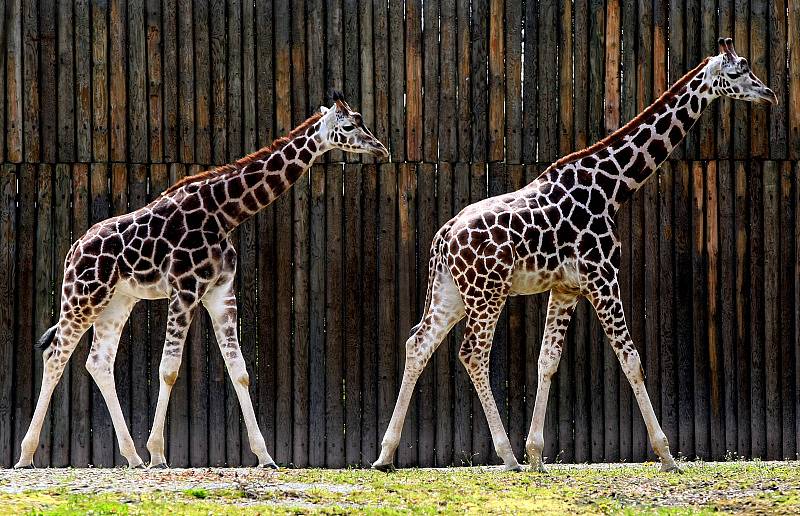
344	129
732	77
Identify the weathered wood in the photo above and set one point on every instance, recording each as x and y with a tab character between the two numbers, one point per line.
48	84
442	359
432	130
612	66
758	59
713	327
290	389
370	294
771	316
652	307
463	102
580	72
741	110
496	113
396	129
727	301
566	103
596	73
756	297
117	92
413	85
741	209
8	251
169	27
100	93
202	79
788	208
30	78
233	60
677	38
13	81
513	82
776	79
700	311
264	75
185	86
793	104
723	107
154	46
316	357
666	304
547	78
137	82
479	88
703	143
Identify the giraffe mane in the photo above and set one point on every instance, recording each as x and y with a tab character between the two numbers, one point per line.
240	163
628	128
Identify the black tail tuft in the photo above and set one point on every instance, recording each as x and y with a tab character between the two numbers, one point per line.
46	339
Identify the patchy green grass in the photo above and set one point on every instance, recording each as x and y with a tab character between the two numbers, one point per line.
733	487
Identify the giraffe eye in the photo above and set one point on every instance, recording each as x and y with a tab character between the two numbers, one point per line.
348	127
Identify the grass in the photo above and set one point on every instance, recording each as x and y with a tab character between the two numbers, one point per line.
753	487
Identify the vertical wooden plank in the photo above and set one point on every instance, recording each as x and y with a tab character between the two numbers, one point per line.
496	115
694	29
185	86
513	82
3	82
462	386
756	263
463	102
334	330
267	391
366	66
434	133
102	430
48	82
704	135
612	66
66	83
352	322
317	355
652	309
379	30
683	304
155	97
666	306
217	49
630	231
179	405
396	80
758	58
202	79
248	328
406	299
139	356
369	308
777	78
137	83
100	93
445	401
170	85
234	85
23	362
771	314
13	82
796	202
700	308
787	307
741	110
479	34
80	402
63	239
566	124
677	38
291	418
548	82
580	72
741	211
793	83
713	326
334	68
724	120
8	251
350	60
299	94
727	300
30	78
426	229
660	22
413	64
83	99
117	93
596	88
264	73
44	297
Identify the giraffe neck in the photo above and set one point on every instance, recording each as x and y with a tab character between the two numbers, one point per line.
620	164
253	183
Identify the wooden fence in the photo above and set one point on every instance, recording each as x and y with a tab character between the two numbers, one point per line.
105	103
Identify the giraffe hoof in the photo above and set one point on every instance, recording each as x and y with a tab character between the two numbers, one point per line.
163	465
27	466
671	468
538	468
271	465
513	467
386	468
140	466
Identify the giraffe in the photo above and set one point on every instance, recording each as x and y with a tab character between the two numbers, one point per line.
177	247
557	234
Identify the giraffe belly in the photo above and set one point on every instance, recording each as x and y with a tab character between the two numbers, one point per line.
525	282
139	291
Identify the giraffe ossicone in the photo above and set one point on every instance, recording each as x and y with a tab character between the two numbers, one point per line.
177	247
557	234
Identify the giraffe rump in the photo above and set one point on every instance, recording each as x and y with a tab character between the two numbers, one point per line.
47	338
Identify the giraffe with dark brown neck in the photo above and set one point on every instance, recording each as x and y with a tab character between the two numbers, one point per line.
177	247
557	234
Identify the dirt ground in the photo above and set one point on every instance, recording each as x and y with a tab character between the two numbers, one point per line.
730	487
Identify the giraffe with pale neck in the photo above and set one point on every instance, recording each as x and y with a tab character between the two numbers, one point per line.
178	247
557	234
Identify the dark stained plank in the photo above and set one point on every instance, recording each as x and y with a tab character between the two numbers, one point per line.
788	210
580	72
8	251
406	300
83	81
185	87
700	309
334	67
369	308
300	110
793	86
741	203
249	92
233	15
513	81
741	110
30	78
442	359
218	85
264	74
666	304
60	404
695	27
630	234
248	250
316	354
433	72
596	88
759	62
426	225
334	322
352	316
479	88
366	54
682	262
169	27
396	128
771	314
566	126
496	114
659	56
612	66
380	52
651	345
713	326
703	142
3	82
102	430
756	263
796	202
14	87
351	84
414	84
727	301
117	94
678	39
463	102
80	402
26	243
202	79
154	47
137	82
48	84
66	82
547	100
777	77
723	107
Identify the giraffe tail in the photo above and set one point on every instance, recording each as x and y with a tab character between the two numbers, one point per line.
433	265
47	338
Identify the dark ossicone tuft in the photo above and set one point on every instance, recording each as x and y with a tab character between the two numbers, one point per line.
336	95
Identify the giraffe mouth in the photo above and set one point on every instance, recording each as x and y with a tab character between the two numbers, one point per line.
379	151
767	96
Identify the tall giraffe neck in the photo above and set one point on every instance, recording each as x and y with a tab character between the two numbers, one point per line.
620	164
240	190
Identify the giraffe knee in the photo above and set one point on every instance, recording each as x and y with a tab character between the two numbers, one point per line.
548	362
632	365
168	371
242	378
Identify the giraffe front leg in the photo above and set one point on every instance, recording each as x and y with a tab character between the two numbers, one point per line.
100	364
474	355
179	318
220	301
608	305
559	312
